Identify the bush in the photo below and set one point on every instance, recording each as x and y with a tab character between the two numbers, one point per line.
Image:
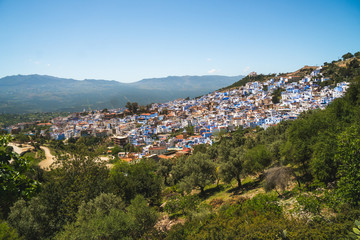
182	204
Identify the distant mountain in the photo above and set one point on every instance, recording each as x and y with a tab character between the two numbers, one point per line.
38	93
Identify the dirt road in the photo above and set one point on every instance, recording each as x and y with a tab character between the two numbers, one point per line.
19	150
44	164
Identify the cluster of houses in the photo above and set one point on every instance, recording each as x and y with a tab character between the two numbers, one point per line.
164	131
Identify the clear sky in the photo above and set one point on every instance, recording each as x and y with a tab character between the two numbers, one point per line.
131	40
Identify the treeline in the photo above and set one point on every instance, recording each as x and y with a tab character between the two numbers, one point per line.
344	69
243	81
8	119
79	194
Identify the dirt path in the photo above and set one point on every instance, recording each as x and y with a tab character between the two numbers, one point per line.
19	150
44	164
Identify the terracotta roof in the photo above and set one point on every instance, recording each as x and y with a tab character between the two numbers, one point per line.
180	136
44	124
127	159
157	148
165	157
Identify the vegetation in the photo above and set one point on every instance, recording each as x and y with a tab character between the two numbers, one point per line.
296	180
9	119
243	81
276	96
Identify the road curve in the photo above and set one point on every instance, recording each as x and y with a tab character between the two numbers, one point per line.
45	164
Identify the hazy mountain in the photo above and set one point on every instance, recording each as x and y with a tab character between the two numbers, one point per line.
37	93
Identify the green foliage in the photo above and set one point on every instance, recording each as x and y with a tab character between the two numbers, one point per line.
302	135
14	182
261	218
257	159
310	203
77	199
182	203
22	138
31	219
143	217
178	170
115	150
276	95
347	56
88	145
101	205
8	119
263	203
107	218
339	73
77	178
356	231
7	232
349	158
164	168
323	166
131	179
231	167
199	171
200	148
132	107
190	130
353	93
243	81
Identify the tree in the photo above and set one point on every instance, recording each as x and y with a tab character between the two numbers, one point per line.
348	156
322	164
77	178
132	107
357	54
231	167
199	172
106	217
256	159
136	178
164	168
182	203
178	170
276	96
7	232
102	205
14	180
277	177
115	150
302	136
143	217
347	56
31	219
200	148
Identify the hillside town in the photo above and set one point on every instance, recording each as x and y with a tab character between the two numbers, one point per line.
173	128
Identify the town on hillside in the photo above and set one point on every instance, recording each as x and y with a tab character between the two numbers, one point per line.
173	129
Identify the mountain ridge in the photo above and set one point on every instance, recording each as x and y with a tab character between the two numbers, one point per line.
44	93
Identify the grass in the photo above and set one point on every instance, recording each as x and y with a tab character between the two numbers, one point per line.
35	157
227	192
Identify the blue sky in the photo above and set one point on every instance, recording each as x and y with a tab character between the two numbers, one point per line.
131	40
